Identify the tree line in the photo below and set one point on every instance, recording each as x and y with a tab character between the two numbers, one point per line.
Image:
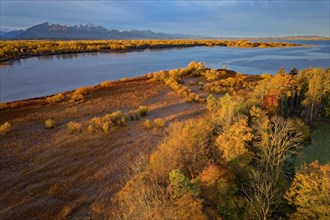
232	163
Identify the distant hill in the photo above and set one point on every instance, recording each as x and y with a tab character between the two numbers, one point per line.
10	34
293	38
287	38
90	31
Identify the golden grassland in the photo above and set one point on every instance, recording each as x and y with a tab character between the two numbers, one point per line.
14	49
160	146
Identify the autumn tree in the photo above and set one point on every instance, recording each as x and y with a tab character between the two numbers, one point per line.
310	192
233	141
276	138
184	148
294	71
223	111
180	184
272	92
318	90
263	194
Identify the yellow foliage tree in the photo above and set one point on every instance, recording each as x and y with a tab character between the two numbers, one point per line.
310	192
232	142
188	207
183	148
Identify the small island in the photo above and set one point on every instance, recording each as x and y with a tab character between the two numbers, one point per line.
16	49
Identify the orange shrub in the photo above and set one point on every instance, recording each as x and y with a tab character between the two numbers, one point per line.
56	98
5	128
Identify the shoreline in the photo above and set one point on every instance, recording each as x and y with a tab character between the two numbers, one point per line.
67	93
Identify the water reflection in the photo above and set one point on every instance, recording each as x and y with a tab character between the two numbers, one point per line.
45	58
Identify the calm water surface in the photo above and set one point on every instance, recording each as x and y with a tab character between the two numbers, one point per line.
40	76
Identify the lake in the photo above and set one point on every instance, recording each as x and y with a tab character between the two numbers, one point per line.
45	75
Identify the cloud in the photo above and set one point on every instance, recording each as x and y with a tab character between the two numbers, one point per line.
218	18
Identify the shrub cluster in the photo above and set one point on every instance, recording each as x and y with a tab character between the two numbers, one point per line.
157	123
106	83
229	84
212	74
55	98
79	94
105	123
137	113
73	127
173	79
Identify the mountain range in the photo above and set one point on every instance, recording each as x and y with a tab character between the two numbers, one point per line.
93	32
90	31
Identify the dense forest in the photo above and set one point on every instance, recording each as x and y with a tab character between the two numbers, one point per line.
24	48
238	160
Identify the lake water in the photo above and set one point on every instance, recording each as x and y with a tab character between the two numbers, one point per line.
45	75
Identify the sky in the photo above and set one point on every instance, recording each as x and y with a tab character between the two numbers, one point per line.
258	18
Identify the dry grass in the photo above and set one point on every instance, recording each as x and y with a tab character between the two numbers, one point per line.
57	168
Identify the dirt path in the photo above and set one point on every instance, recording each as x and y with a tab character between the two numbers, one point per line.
49	174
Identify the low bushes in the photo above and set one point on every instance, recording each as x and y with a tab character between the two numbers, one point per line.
183	91
49	123
73	127
173	78
147	124
77	97
55	98
5	128
157	123
105	123
79	94
159	76
229	84
143	110
137	113
106	83
133	115
211	75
